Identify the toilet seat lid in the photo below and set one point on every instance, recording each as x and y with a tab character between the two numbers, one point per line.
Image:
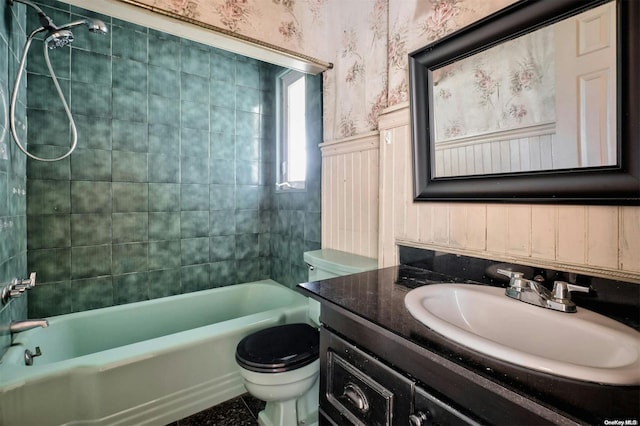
279	349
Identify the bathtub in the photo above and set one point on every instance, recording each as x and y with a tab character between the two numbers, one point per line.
149	362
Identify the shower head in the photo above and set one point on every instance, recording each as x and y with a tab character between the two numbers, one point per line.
93	25
96	26
58	38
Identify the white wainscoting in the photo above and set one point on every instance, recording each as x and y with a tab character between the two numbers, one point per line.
598	240
350	194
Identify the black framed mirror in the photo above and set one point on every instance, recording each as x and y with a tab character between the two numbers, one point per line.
487	130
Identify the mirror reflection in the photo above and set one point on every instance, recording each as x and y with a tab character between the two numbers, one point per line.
542	101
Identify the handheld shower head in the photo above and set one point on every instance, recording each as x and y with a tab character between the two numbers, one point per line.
59	38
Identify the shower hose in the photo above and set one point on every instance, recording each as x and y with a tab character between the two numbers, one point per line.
14	96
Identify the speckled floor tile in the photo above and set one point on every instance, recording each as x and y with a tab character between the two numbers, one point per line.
241	411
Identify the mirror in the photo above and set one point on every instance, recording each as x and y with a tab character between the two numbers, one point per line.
532	104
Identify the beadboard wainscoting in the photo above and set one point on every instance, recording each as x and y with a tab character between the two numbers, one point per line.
598	240
350	194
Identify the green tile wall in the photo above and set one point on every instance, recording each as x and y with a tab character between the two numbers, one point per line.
13	185
171	188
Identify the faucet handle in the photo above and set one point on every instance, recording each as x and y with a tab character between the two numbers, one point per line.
516	278
561	290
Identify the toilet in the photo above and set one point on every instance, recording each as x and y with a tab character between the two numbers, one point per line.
280	365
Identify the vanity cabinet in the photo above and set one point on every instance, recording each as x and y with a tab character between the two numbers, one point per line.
369	376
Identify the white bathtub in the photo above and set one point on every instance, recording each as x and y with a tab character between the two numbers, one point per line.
150	362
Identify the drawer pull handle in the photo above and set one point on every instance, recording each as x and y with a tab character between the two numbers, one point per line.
355	395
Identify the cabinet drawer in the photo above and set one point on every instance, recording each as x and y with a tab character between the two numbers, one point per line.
359	398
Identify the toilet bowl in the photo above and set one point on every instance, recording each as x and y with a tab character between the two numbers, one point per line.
280	366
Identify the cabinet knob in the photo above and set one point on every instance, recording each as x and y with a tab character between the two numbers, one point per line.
418	419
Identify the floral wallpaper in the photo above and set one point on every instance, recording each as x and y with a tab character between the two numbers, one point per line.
509	86
366	40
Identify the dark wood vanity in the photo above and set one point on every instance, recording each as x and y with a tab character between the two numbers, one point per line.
381	366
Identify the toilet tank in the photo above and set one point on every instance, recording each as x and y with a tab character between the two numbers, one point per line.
329	263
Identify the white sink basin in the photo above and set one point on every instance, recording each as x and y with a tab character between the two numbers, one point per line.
584	345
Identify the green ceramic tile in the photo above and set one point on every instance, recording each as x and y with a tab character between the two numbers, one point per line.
264	244
247	246
130	105
164	82
41	91
90	229
194	115
248	172
164	52
247	125
130	288
223	146
247	221
194	170
91	293
223	120
131	257
164	139
247	99
129	74
164	197
222	222
130	44
248	270
222	94
51	264
222	197
90	67
194	143
164	226
48	197
247	197
48	231
56	123
247	73
223	67
164	283
312	226
247	149
222	248
222	273
91	164
194	251
90	261
164	111
90	197
130	136
194	88
194	224
129	166
194	197
164	168
50	299
130	227
93	132
90	99
222	172
130	197
195	278
194	60
164	254
56	170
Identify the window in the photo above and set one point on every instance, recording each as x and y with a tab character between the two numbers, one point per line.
292	131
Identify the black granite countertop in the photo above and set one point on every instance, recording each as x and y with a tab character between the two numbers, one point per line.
378	296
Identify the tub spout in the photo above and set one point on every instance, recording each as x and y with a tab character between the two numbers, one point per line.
18	326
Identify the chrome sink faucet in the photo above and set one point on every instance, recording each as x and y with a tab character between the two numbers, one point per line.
533	292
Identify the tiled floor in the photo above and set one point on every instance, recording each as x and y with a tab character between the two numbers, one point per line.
242	411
